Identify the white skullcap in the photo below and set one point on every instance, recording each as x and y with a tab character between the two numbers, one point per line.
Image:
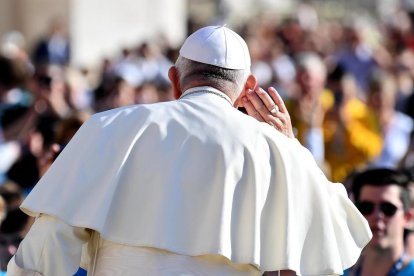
218	46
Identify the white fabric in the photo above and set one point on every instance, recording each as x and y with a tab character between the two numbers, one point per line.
51	247
218	46
115	259
14	270
196	177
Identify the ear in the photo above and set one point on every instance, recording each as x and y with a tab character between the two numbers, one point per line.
409	215
175	80
250	84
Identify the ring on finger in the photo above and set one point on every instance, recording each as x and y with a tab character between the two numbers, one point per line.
274	110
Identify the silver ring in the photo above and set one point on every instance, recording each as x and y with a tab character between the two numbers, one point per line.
274	110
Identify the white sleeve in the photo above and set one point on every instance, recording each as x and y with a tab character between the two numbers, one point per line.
51	247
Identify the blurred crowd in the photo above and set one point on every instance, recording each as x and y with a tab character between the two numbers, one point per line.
348	86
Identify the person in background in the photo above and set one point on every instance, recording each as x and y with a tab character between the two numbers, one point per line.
396	127
3	249
382	196
351	131
357	57
191	186
407	160
54	47
157	90
409	231
307	109
14	224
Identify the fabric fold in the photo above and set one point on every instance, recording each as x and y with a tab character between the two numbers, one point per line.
167	176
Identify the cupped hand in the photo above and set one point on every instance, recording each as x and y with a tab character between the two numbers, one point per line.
268	107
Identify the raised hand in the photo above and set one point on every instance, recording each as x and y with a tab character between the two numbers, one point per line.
268	107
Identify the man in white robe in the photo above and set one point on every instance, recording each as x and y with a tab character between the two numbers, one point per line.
192	186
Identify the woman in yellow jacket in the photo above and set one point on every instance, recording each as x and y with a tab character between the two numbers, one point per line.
351	132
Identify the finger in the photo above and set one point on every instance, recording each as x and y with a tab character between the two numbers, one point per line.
283	128
251	110
275	122
277	99
254	98
279	125
266	99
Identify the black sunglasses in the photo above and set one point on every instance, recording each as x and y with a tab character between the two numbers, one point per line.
367	208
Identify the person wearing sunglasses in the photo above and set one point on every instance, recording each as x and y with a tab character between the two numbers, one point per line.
382	197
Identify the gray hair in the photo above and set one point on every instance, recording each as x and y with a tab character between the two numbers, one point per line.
312	62
219	77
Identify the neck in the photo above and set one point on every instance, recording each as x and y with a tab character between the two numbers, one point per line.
392	253
209	90
224	88
377	260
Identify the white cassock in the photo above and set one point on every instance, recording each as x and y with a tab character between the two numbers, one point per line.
191	178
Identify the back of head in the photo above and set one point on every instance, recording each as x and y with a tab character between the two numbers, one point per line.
382	90
380	177
312	62
312	72
215	56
